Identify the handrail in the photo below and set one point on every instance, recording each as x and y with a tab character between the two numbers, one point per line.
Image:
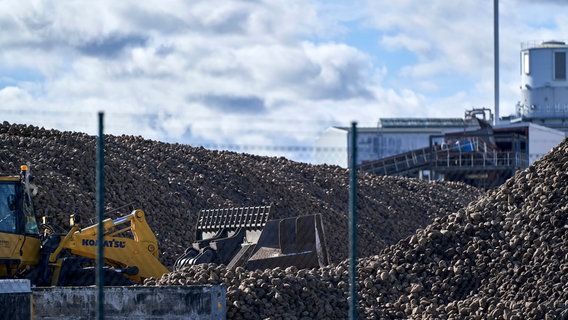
439	158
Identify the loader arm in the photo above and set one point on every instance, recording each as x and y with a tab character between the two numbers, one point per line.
129	244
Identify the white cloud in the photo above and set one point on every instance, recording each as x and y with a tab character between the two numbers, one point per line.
15	96
131	58
257	72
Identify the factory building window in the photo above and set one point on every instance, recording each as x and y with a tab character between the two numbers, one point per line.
560	65
526	63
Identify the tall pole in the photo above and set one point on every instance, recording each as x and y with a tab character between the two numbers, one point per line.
353	225
100	181
496	56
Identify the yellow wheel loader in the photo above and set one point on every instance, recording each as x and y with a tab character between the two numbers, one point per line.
235	237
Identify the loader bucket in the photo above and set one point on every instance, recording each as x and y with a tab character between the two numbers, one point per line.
221	233
296	241
245	237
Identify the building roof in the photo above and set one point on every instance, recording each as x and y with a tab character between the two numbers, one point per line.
426	123
416	125
527	124
543	44
359	129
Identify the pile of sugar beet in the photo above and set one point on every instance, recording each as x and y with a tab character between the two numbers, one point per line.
173	182
428	250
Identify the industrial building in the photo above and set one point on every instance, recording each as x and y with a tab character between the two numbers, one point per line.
544	85
481	149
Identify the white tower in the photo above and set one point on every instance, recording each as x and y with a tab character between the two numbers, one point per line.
544	84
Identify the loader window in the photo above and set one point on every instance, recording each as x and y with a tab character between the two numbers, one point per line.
8	207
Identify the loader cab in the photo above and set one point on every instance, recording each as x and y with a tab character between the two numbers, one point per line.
19	233
16	210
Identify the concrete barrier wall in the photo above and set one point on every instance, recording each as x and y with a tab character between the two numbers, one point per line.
15	299
175	302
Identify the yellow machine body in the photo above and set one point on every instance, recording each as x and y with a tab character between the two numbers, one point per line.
127	242
22	251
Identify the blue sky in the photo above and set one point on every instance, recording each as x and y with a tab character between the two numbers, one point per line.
258	73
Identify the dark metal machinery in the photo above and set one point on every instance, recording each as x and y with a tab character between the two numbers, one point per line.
245	237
